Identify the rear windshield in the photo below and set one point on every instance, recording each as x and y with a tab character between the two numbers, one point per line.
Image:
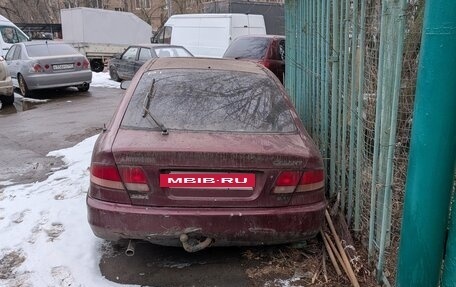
209	100
247	48
172	52
50	50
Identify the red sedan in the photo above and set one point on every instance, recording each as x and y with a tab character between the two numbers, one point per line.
206	152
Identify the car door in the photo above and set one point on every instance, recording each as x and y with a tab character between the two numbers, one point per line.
144	56
126	69
13	64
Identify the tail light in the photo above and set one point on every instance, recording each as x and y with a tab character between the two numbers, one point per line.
106	176
287	182
134	178
295	181
36	68
311	180
109	176
85	64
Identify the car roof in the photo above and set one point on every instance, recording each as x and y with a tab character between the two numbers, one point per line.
154	45
262	36
206	63
41	42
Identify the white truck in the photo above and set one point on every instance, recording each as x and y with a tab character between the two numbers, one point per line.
208	35
10	34
100	34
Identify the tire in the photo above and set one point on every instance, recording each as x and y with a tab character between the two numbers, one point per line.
84	87
7	100
113	74
23	86
97	65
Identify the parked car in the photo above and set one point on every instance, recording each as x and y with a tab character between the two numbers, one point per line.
6	84
45	64
269	50
205	152
125	65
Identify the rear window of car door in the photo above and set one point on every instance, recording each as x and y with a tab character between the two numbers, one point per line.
17	53
130	54
144	54
10	54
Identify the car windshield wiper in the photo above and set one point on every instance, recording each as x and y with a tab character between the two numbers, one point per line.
146	110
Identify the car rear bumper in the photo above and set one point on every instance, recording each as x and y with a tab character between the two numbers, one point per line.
6	87
57	80
226	226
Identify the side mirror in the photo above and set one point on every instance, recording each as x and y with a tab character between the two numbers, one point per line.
117	56
125	84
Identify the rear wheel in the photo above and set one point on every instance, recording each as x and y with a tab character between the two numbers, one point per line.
23	86
113	74
97	65
84	87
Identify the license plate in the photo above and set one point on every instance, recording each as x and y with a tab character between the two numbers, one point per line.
243	181
63	66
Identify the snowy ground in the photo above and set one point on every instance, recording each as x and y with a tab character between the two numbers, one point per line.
45	238
103	80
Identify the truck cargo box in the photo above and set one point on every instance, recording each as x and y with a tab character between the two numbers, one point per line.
90	25
100	34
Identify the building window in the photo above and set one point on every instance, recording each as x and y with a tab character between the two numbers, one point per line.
142	4
119	9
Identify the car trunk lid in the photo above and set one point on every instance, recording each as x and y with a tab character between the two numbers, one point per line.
263	156
58	64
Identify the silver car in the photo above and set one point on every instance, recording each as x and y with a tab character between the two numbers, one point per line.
44	65
6	85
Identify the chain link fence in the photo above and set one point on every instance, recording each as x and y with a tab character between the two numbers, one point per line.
351	72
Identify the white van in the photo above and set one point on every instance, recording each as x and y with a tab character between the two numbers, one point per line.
10	34
208	35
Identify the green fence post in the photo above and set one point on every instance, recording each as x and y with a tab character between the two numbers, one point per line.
334	94
359	120
432	155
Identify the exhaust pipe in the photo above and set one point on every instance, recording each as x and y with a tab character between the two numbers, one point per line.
194	247
130	248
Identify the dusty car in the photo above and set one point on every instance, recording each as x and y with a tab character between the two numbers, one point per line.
45	64
205	152
268	50
6	84
125	65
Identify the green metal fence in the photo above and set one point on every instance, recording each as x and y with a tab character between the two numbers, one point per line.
351	72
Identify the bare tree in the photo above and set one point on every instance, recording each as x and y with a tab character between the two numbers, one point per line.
186	6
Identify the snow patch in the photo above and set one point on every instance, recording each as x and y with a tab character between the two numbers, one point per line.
50	242
103	80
